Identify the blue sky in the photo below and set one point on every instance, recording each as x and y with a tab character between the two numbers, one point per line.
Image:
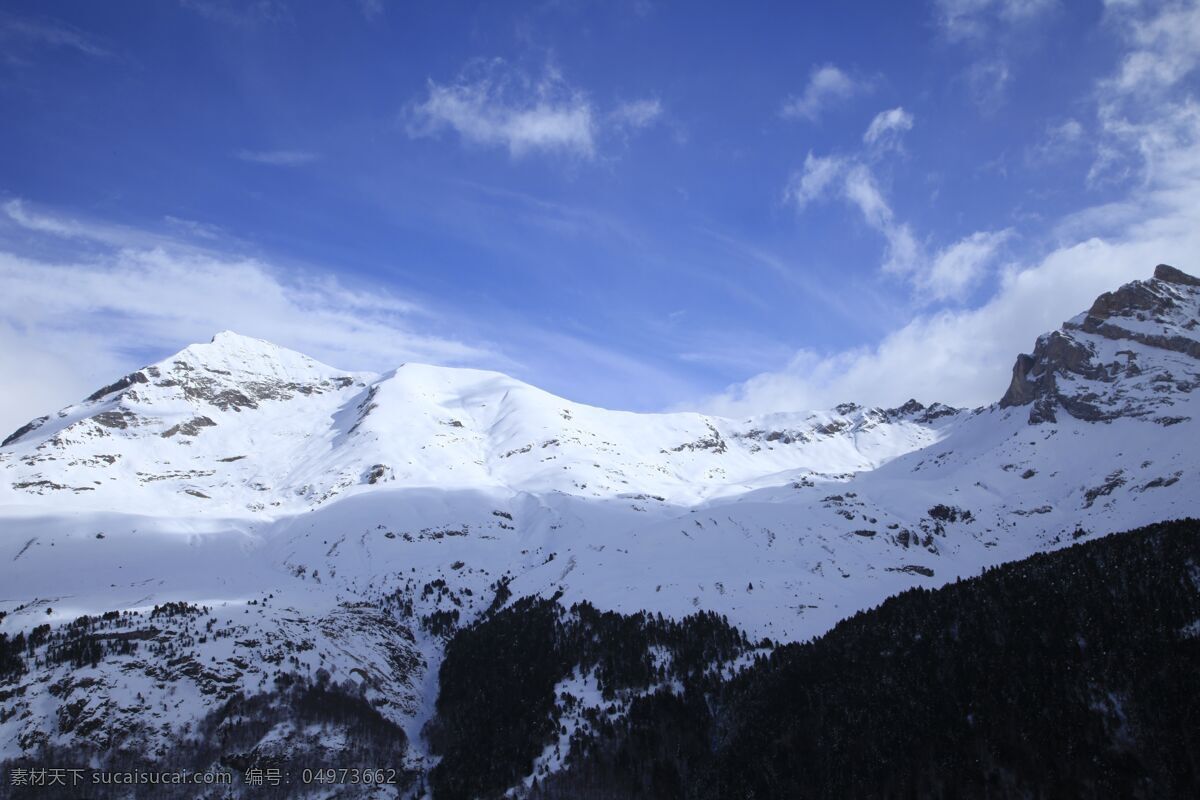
726	206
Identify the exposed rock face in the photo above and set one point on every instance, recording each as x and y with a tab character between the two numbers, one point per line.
28	427
124	383
919	412
1120	358
1165	272
190	428
845	420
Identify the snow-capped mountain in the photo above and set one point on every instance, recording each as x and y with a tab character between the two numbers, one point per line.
321	519
240	426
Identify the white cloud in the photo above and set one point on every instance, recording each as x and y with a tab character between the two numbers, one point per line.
1165	47
69	324
965	356
948	274
1070	132
67	228
945	275
194	229
862	190
83	302
988	81
887	126
972	19
958	268
33	32
493	106
278	158
992	29
1147	112
812	182
241	13
637	114
826	85
1062	140
960	357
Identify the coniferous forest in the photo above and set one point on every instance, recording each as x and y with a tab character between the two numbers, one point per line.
1069	674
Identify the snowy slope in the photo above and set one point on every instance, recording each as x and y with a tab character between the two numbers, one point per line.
240	425
363	514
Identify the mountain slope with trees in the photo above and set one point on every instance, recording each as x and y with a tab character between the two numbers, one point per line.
1068	674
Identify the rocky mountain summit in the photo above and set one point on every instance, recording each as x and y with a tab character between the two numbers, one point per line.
1129	355
234	543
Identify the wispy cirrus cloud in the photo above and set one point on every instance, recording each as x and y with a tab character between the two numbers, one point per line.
887	126
278	158
371	9
861	188
26	33
1147	111
240	13
827	85
637	114
990	30
945	274
1062	139
30	219
493	105
975	19
988	82
1164	47
810	183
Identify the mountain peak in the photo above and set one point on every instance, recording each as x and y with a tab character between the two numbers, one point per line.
231	341
1167	273
228	337
1141	336
233	354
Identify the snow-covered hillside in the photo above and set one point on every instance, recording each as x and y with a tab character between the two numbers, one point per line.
241	427
347	521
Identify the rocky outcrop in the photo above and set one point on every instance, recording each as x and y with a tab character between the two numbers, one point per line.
1168	274
1035	377
190	428
919	412
28	427
1068	371
119	386
712	442
1161	301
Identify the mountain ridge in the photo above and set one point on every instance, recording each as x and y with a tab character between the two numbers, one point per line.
230	353
313	522
481	423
